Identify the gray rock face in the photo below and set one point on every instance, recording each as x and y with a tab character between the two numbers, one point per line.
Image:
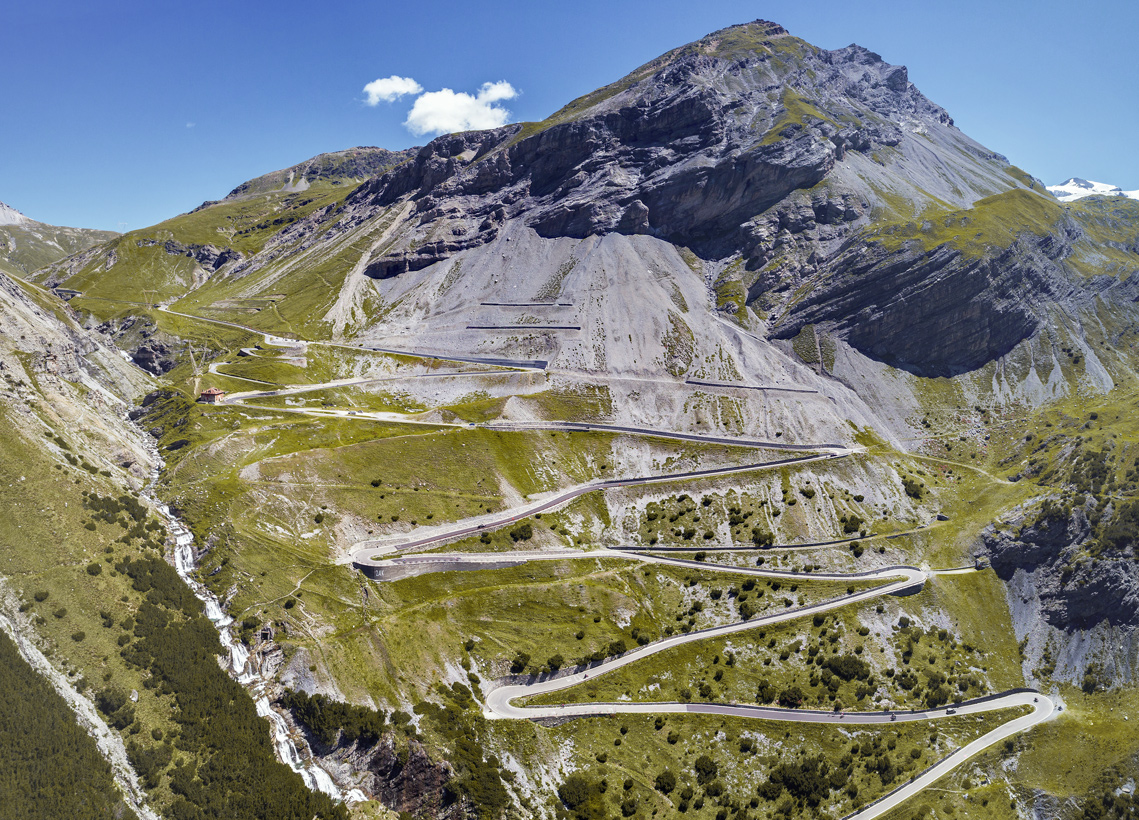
737	148
208	256
936	313
1103	590
686	149
151	350
155	357
404	780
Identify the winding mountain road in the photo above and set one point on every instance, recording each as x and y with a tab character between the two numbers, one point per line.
652	432
375	555
499	702
486	523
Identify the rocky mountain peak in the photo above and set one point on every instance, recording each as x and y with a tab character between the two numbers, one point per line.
687	148
10	216
807	187
763	28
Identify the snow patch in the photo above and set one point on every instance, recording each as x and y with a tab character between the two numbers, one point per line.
1076	188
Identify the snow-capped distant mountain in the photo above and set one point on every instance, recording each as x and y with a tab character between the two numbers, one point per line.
10	216
1076	188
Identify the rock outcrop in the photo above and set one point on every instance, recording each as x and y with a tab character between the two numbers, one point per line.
209	257
398	773
687	148
150	349
1074	594
940	312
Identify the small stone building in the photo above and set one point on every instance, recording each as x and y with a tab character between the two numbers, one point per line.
212	396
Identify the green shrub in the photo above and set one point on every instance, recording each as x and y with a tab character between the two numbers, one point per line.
706	769
520	662
761	537
851	523
328	719
848	667
791	697
765	692
809	779
575	791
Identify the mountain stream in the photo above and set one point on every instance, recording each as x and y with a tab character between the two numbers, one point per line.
292	749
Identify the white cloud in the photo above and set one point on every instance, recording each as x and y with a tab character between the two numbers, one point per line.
447	111
390	89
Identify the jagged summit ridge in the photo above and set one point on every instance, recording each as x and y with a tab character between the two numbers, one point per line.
804	187
767	157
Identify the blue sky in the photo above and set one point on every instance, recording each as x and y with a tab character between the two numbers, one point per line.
125	113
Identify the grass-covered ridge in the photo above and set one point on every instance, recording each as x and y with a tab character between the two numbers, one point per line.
156	264
1110	241
992	224
25	249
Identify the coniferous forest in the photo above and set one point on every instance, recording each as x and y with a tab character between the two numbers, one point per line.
51	767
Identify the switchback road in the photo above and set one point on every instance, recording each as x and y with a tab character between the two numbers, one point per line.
361	557
499	702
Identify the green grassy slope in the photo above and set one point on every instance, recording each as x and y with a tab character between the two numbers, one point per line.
27	248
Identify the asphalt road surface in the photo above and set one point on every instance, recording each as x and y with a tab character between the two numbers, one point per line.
669	434
361	558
